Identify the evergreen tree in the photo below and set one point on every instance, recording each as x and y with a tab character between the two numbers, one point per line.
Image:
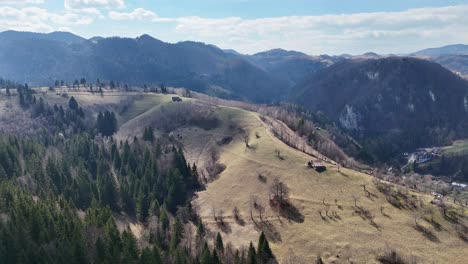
176	195
219	243
129	247
215	259
200	230
177	234
148	134
206	257
73	104
164	219
264	253
252	255
106	123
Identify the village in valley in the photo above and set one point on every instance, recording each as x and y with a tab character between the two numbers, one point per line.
423	155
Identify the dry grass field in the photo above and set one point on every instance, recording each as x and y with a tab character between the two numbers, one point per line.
336	218
344	237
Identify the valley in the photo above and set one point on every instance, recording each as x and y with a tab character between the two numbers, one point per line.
135	150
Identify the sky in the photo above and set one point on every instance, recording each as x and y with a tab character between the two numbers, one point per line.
249	26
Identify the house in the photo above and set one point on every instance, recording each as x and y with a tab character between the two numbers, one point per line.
176	99
424	155
317	165
456	184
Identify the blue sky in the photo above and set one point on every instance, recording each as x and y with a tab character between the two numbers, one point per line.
249	26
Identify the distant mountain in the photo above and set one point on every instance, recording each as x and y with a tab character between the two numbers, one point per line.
457	49
144	60
456	63
95	39
389	105
290	66
231	51
56	36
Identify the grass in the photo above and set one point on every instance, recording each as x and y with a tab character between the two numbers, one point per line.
332	225
345	235
144	104
459	147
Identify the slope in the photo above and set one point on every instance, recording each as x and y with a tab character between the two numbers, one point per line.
391	104
456	49
143	60
335	218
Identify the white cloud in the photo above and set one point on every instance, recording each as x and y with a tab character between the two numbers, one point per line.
358	32
20	2
38	19
94	4
137	14
383	32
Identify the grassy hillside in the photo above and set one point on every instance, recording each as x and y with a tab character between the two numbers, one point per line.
341	238
452	163
335	217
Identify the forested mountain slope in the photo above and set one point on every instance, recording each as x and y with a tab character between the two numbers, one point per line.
391	104
143	60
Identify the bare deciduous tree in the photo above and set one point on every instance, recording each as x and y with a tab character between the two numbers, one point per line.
278	154
236	212
245	137
260	209
252	204
279	192
356	199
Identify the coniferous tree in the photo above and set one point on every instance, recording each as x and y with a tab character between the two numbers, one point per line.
164	219
200	230
219	243
252	255
73	104
206	257
264	253
177	233
215	259
148	134
129	247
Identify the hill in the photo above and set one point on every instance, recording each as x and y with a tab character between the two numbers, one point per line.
390	105
455	63
143	60
329	213
309	229
66	37
291	66
456	49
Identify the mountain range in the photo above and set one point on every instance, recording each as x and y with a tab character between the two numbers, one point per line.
456	49
389	103
43	58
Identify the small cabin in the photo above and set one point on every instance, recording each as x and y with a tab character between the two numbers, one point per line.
176	99
317	165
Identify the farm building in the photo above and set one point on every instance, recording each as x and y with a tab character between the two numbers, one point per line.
176	99
424	155
317	165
